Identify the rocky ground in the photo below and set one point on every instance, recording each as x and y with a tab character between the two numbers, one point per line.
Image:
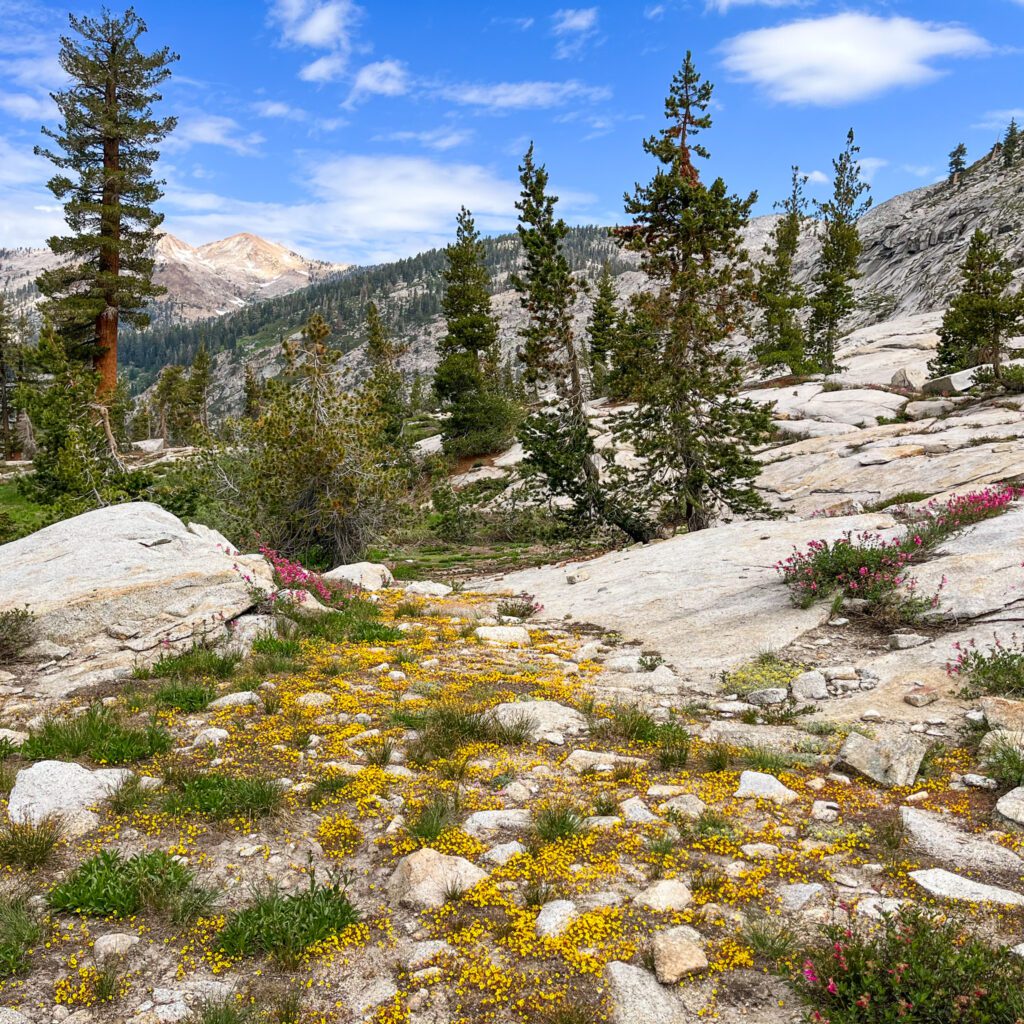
440	807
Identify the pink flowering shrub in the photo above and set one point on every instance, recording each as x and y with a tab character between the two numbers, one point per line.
291	575
998	669
869	566
913	968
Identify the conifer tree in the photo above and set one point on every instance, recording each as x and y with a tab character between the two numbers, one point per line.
252	394
833	300
780	338
601	329
384	388
692	431
9	361
1011	144
957	160
983	315
105	148
556	436
200	377
481	418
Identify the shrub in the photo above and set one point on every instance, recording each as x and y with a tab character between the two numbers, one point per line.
99	734
220	796
25	844
998	669
1004	761
111	885
559	821
286	926
17	632
522	607
914	968
20	930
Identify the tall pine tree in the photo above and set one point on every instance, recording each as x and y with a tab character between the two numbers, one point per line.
1011	144
601	330
780	336
957	161
385	388
481	418
982	315
833	299
105	151
690	428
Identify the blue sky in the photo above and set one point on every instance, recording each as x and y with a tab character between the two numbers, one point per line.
353	131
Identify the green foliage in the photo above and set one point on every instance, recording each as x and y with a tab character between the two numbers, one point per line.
522	607
384	391
20	931
833	299
1012	144
202	661
781	339
99	734
286	926
996	670
957	160
482	416
315	473
771	939
185	696
559	821
357	621
673	747
105	150
27	844
112	885
1004	761
17	633
983	315
602	331
220	796
913	968
228	1010
178	409
692	431
437	815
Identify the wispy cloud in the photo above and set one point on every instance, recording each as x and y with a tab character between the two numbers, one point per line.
382	78
846	57
279	110
870	166
318	26
213	130
442	139
997	120
504	96
573	27
652	12
724	6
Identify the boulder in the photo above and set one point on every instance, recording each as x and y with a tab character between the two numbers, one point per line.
423	880
810	686
676	954
555	917
908	379
759	786
1001	713
635	997
133	562
427	588
942	840
599	761
1011	805
768	696
117	944
544	715
665	894
505	636
479	823
240	699
63	789
948	886
951	383
892	760
365	575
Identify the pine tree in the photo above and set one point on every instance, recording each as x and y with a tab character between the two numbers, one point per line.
105	151
690	428
957	160
1011	144
833	300
9	360
481	418
384	387
200	377
252	392
982	315
781	339
601	329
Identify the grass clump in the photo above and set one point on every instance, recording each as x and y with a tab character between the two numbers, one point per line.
184	696
228	1010
434	817
673	747
771	939
996	670
28	844
101	735
17	633
764	759
284	926
111	885
220	796
1004	761
559	821
915	968
356	622
20	931
203	661
522	607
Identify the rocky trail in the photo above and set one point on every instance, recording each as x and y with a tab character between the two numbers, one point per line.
635	804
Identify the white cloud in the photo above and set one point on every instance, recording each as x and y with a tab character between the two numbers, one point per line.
997	120
870	166
724	6
26	107
319	26
655	11
212	130
845	57
918	170
28	213
442	139
501	96
573	26
279	110
364	209
818	178
524	24
382	78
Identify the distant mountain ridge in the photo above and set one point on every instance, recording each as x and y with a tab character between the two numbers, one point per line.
202	282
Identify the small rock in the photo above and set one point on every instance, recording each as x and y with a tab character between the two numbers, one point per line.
980	781
760	851
825	811
576	576
686	805
315	699
67	790
810	686
676	954
892	760
599	760
837	672
770	695
921	698
210	738
759	786
634	809
665	894
422	880
635	997
428	588
479	823
555	917
117	944
871	715
797	896
1011	805
241	699
507	636
905	641
504	852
